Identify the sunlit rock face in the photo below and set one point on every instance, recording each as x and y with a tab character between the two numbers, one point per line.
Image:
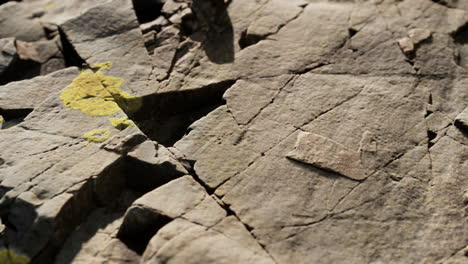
233	131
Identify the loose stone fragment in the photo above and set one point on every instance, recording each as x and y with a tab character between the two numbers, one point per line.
406	45
327	154
417	35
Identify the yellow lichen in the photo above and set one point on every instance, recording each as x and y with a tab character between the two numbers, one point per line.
9	257
96	94
49	5
97	135
102	66
121	123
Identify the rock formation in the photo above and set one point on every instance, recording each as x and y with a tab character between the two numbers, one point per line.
234	131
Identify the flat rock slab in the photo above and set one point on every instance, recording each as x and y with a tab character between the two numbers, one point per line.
28	94
327	154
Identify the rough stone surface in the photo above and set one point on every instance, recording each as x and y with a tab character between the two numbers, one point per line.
328	155
29	94
241	131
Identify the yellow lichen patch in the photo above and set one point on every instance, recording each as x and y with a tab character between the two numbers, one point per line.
49	5
96	94
102	66
97	135
9	257
121	123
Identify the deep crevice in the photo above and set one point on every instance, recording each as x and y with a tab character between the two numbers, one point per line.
143	228
147	10
165	117
71	56
447	3
431	135
247	40
13	117
6	1
19	70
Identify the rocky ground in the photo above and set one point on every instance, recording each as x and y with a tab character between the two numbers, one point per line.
242	131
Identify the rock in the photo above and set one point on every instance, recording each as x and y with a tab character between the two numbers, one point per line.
406	45
7	53
20	25
181	242
233	131
326	154
155	209
61	176
417	35
29	94
154	164
94	242
120	43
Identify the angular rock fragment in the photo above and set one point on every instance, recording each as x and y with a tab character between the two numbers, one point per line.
417	35
406	45
7	53
326	154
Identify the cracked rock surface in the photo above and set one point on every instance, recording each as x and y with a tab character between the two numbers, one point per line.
233	131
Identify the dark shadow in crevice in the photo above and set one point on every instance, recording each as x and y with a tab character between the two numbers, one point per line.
165	117
247	40
6	1
139	226
431	135
71	56
147	10
13	117
145	177
213	18
447	3
19	70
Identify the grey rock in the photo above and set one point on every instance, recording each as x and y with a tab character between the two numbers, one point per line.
20	25
115	37
182	242
318	131
29	94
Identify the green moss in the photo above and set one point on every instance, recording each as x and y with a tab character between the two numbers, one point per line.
96	94
121	123
97	135
9	257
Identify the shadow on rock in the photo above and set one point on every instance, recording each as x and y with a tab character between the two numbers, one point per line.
214	19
